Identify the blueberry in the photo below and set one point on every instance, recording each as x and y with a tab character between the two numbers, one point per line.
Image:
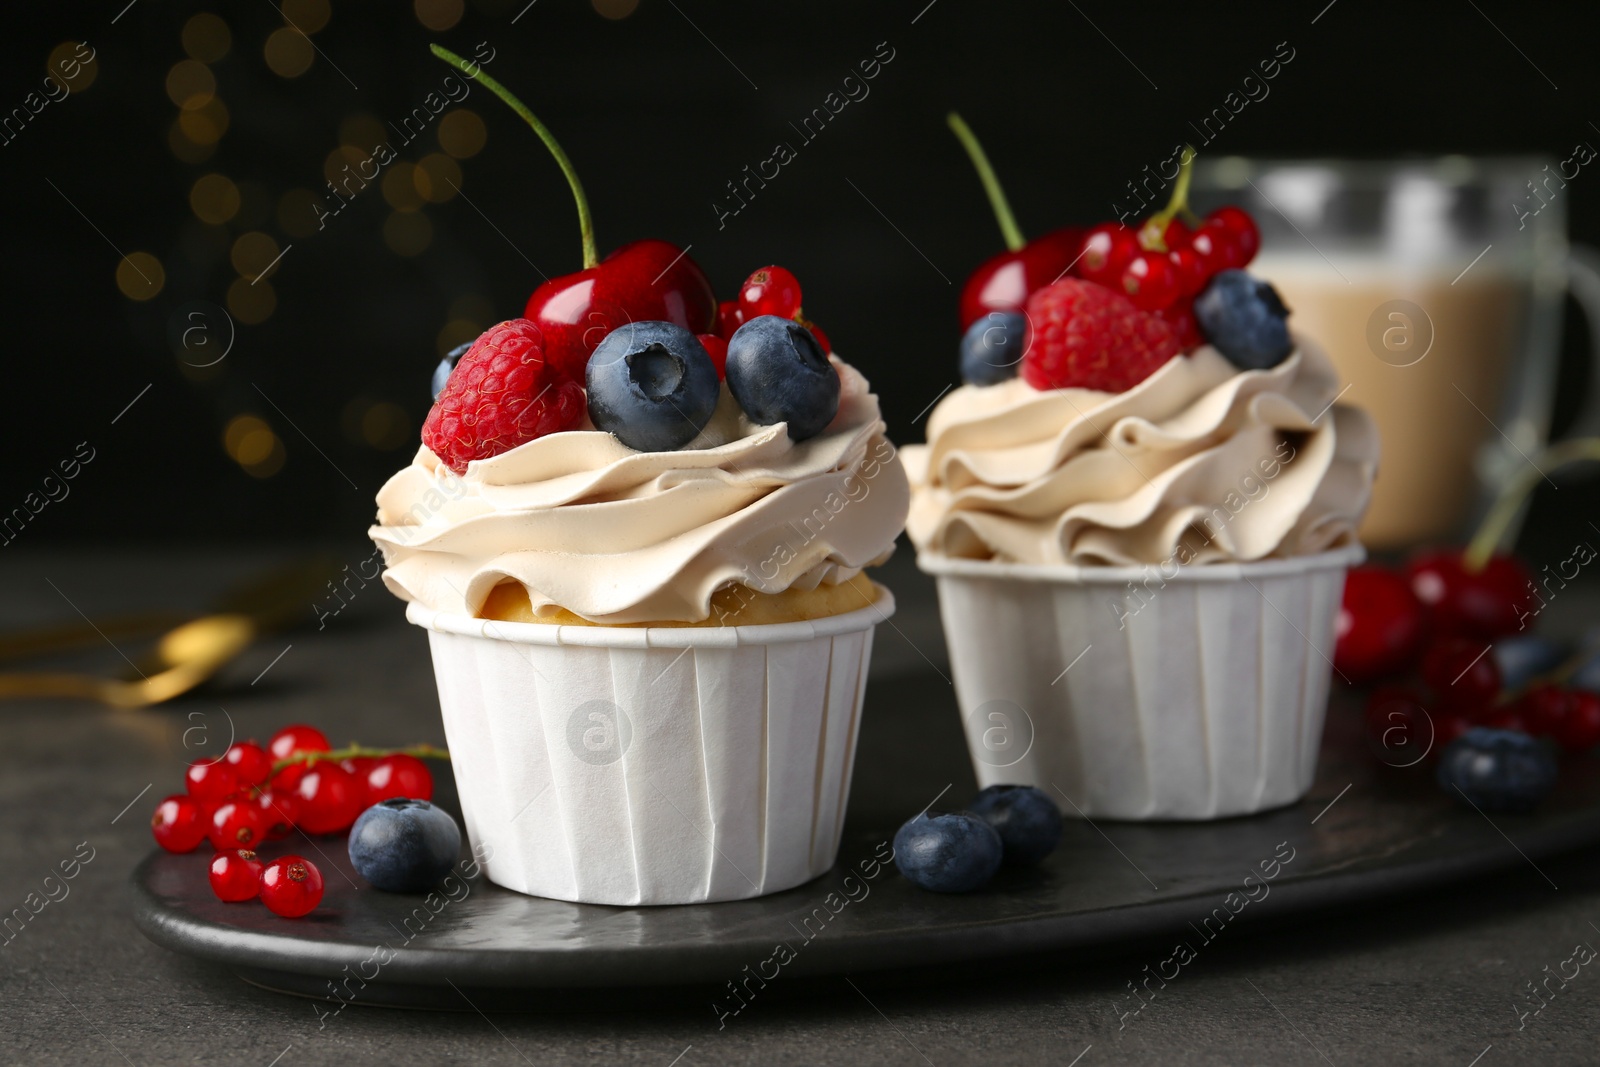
441	373
404	846
1244	318
1522	656
651	385
947	853
1027	820
991	349
778	373
1587	676
1498	770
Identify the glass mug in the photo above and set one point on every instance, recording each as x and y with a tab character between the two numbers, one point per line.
1436	287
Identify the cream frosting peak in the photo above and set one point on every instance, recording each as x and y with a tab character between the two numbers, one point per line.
1200	461
588	524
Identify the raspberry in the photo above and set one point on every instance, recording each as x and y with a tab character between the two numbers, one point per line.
501	394
1084	336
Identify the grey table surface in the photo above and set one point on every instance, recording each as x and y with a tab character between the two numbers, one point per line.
1431	979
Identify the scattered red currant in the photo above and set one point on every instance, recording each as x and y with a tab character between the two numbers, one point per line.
1543	709
249	761
179	823
236	824
399	775
330	798
211	781
1463	675
1149	281
297	739
235	875
770	291
277	809
291	886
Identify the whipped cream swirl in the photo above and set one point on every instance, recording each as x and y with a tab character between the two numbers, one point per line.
1200	462
587	524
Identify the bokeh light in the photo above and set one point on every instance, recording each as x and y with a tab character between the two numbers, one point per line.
439	15
206	124
462	133
140	276
437	177
288	52
190	84
297	213
252	444
407	233
362	130
309	15
380	424
400	187
63	61
615	9
206	38
456	332
252	253
186	150
214	198
251	303
343	168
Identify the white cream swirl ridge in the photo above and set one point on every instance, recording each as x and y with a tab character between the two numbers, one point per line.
1200	462
617	536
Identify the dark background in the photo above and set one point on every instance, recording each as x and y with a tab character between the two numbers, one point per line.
657	119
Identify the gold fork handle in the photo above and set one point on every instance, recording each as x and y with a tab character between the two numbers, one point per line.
14	686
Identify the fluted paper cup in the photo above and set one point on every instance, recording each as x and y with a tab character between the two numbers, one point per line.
653	765
1142	692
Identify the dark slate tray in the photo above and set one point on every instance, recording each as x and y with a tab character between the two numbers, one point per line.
1366	830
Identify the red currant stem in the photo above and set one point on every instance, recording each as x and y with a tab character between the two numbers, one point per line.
1495	524
352	751
585	223
1152	235
991	183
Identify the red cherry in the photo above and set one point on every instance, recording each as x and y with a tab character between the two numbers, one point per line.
1245	236
1149	281
1004	282
770	291
277	808
250	761
330	799
399	775
1399	729
236	824
1380	626
1581	730
235	875
291	886
211	781
1544	709
1484	604
1463	675
178	824
640	281
717	348
729	318
1190	271
297	739
1106	250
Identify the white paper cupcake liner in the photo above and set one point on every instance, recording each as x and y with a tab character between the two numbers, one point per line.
1193	695
653	765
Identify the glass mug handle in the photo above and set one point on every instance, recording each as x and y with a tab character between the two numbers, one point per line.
1583	282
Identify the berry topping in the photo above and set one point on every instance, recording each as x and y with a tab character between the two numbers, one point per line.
1085	336
501	395
1150	281
441	373
1027	820
1497	770
770	291
1107	249
291	886
991	349
249	761
816	331
729	318
179	824
1243	237
329	798
404	846
716	347
947	853
652	386
778	373
236	824
297	740
235	875
1380	626
211	781
399	775
1245	319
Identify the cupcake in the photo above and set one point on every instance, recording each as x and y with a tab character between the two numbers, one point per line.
638	551
1140	540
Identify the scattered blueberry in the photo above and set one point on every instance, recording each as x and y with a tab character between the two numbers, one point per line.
441	373
1498	770
1244	318
1027	820
404	846
652	385
991	349
947	853
1521	657
778	373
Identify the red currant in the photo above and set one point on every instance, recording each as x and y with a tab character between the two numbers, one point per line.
249	761
1156	237
211	781
1487	604
235	875
291	886
277	809
236	824
1106	250
1501	718
1544	708
1448	727
1463	675
399	776
1191	272
1380	626
822	338
1149	281
729	318
330	799
1581	730
299	738
717	348
1214	246
770	291
179	823
1246	237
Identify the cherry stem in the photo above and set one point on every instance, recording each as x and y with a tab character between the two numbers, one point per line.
1493	529
352	751
1153	234
585	222
991	183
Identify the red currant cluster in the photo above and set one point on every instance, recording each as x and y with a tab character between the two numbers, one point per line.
252	795
768	291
